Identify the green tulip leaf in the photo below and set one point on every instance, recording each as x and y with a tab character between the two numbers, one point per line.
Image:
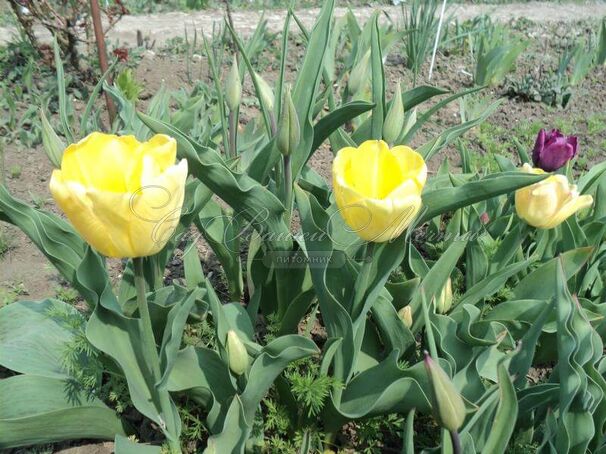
506	415
123	445
540	284
57	240
35	409
439	201
34	337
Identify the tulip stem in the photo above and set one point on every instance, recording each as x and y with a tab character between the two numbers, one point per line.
287	185
153	360
362	282
456	442
233	134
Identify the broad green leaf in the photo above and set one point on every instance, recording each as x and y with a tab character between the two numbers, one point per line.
123	445
522	360
540	284
173	333
233	433
435	279
120	337
308	82
34	336
379	391
58	241
492	283
337	118
36	410
221	231
439	201
506	415
203	374
270	363
575	427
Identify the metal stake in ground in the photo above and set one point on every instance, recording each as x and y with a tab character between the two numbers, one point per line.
95	13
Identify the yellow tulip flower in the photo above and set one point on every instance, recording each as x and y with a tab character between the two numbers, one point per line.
378	189
123	196
549	202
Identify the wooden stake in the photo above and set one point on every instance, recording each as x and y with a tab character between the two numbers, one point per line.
102	51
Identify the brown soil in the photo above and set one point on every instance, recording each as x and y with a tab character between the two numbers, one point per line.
163	26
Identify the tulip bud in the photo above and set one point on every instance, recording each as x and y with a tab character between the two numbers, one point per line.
444	301
447	403
552	150
289	133
267	94
359	74
233	86
411	119
236	353
394	121
548	203
405	315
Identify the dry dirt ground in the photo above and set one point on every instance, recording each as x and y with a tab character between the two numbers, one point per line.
163	26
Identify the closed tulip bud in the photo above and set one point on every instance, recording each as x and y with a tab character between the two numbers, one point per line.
552	150
444	301
378	189
411	119
549	202
267	94
233	86
289	132
405	315
447	403
236	353
123	196
359	74
394	121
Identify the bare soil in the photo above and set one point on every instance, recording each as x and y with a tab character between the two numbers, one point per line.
163	26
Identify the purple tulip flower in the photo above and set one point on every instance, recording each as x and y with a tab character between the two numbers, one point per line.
553	150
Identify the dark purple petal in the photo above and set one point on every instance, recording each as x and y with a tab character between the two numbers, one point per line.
556	155
552	136
538	148
573	142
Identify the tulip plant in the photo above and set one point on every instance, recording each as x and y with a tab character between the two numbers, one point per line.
493	276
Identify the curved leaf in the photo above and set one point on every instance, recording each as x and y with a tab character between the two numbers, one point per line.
37	409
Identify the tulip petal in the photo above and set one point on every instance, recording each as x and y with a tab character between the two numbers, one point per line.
93	161
156	155
574	205
378	190
157	208
74	201
113	210
412	164
538	147
372	170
